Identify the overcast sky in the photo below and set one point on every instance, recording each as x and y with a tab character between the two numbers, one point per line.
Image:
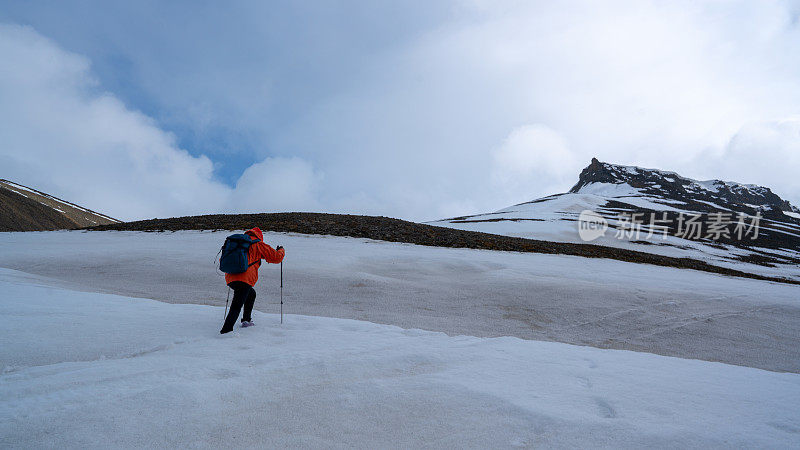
418	110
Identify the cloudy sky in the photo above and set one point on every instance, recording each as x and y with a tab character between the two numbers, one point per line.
418	110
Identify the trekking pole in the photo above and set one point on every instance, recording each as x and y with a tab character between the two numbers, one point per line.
281	292
226	304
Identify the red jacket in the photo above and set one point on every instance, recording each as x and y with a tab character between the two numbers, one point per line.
256	253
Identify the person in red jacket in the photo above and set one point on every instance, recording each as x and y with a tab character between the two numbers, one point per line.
242	283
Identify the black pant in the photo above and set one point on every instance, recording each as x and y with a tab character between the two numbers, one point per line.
243	294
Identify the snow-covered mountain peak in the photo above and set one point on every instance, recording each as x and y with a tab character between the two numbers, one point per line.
616	192
603	178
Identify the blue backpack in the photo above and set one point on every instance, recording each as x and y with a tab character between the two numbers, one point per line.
234	253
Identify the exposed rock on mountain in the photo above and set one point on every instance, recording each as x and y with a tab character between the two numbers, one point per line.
698	195
26	209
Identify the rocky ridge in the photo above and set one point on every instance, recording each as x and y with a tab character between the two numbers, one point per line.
696	195
26	209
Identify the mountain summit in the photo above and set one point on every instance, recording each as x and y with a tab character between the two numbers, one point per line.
700	195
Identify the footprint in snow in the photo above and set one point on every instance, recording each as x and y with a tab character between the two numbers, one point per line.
604	409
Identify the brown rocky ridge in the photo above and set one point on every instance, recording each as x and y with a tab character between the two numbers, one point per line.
26	209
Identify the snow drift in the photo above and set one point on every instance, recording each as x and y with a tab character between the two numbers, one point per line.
89	370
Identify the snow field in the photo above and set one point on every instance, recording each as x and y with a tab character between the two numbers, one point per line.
584	301
90	370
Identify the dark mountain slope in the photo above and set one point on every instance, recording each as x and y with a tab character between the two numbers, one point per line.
26	209
18	213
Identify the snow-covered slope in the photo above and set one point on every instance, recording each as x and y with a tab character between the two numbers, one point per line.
87	370
616	193
587	301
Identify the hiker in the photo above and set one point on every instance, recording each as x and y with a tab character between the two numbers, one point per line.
242	283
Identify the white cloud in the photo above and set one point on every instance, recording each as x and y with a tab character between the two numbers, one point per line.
62	136
277	184
660	84
529	154
429	125
765	153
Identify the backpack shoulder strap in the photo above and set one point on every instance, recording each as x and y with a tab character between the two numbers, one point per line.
253	241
